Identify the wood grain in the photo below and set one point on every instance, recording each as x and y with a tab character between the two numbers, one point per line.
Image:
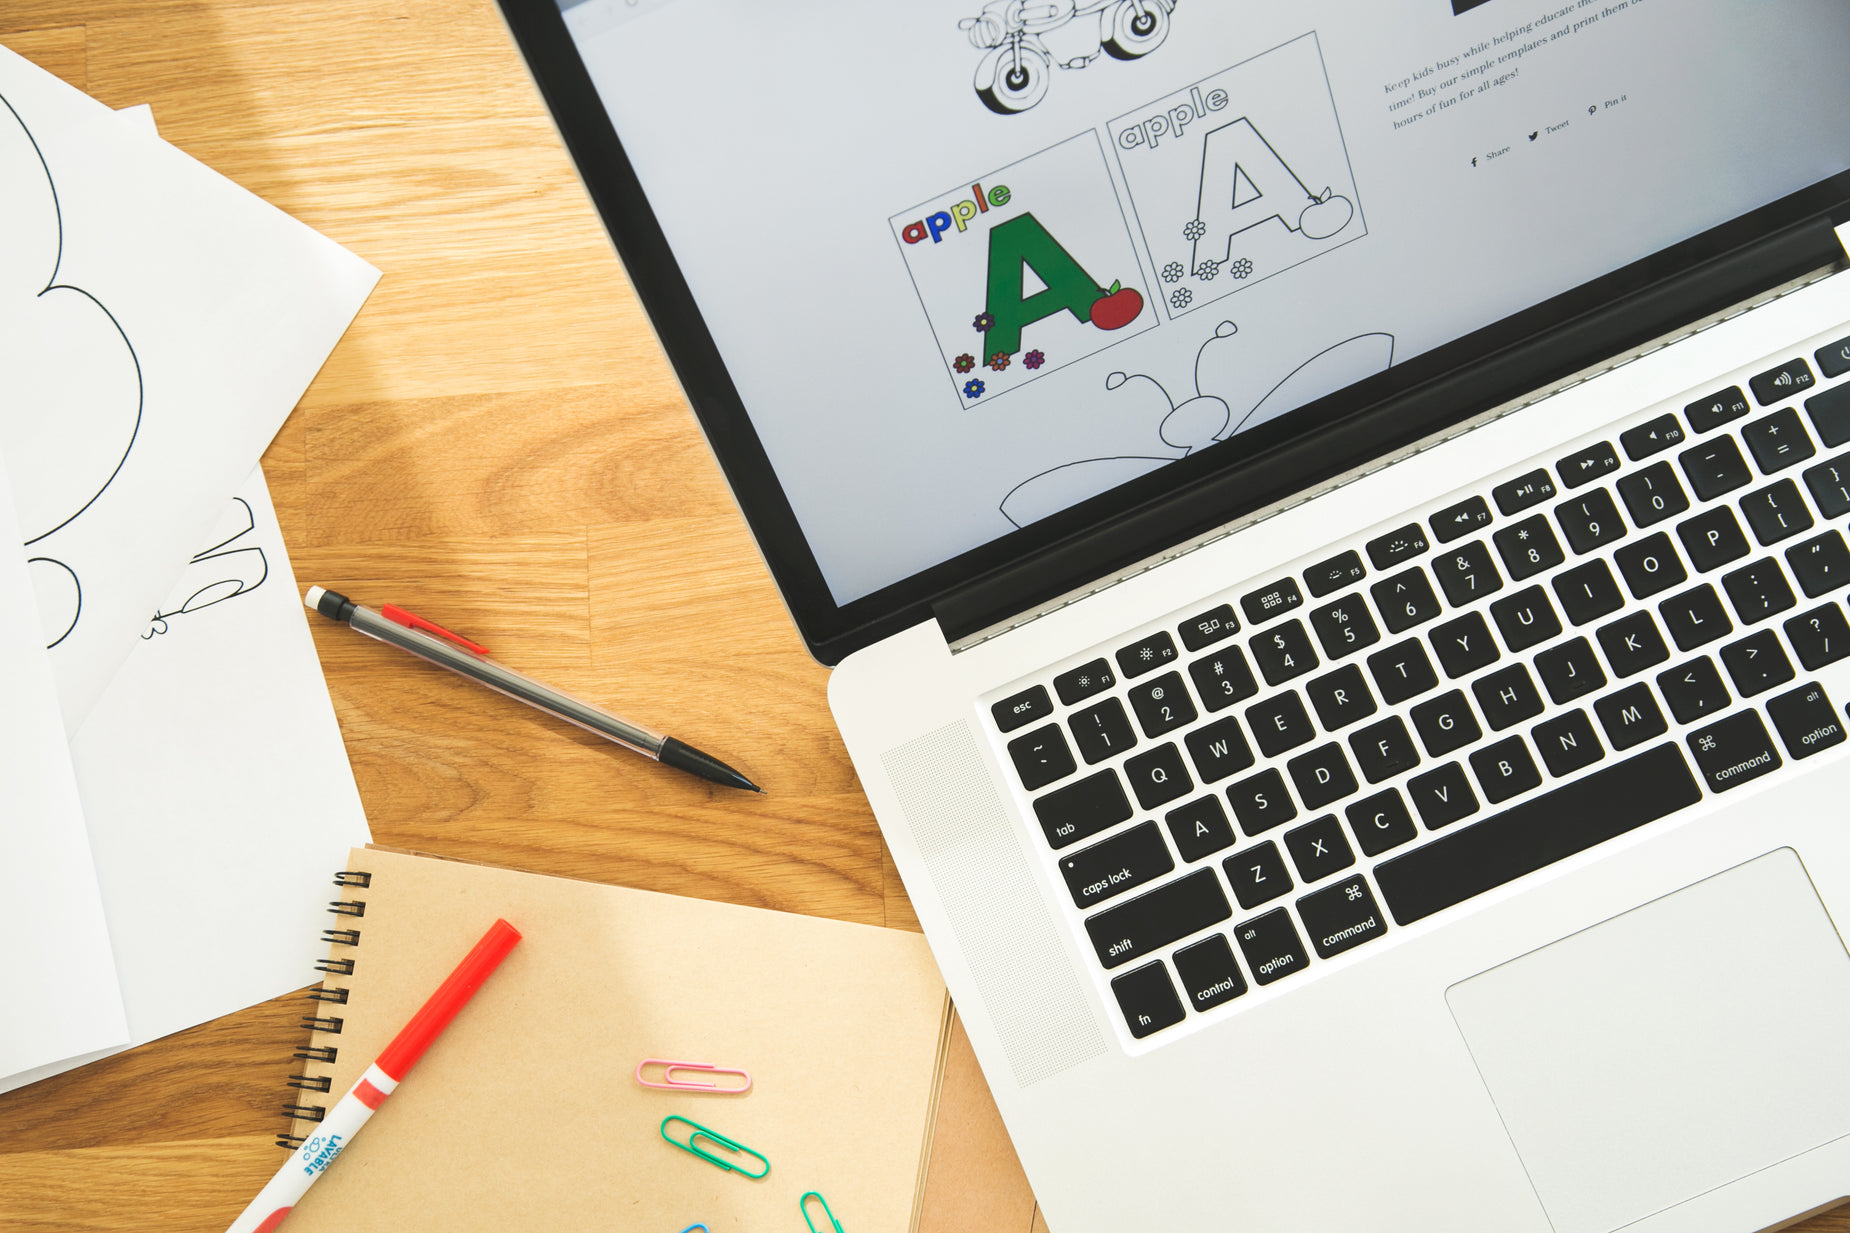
499	444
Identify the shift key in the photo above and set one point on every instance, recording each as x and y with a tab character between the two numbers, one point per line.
1153	920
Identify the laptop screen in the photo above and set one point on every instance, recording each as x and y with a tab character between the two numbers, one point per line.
970	263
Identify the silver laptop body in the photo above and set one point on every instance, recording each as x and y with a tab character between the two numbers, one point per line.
1331	520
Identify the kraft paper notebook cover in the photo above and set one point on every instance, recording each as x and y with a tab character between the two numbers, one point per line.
526	1113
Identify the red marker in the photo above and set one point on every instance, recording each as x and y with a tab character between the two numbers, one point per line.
344	1120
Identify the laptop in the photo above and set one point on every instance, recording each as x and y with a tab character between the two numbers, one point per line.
1328	520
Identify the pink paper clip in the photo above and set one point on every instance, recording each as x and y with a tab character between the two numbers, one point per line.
671	1084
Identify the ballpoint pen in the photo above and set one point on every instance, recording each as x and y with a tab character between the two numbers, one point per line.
430	641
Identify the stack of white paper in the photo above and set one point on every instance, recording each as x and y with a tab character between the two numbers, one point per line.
157	324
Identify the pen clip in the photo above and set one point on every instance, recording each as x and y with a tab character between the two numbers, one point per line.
671	1084
411	620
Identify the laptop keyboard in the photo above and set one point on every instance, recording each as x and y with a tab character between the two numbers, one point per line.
1424	716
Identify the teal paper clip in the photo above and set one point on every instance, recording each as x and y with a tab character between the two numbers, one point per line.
803	1203
690	1228
697	1132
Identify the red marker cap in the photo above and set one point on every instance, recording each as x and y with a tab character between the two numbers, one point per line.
451	996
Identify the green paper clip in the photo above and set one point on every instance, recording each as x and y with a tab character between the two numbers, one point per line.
803	1205
693	1148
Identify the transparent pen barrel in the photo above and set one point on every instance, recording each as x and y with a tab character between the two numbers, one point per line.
506	681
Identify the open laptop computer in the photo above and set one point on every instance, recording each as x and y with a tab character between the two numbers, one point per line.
1330	517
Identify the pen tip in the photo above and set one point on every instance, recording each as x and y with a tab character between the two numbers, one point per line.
685	757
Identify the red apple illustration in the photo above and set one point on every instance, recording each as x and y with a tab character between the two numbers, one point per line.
1117	308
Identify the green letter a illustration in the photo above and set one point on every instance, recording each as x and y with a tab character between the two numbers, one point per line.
1022	240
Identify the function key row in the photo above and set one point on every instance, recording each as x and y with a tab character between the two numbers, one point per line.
1778	384
1830	410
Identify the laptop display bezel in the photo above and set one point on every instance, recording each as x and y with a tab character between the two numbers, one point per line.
1405	404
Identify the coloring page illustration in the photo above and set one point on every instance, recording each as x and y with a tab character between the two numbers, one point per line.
217	736
157	323
1025	270
1233	387
1024	41
63	341
1239	177
234	565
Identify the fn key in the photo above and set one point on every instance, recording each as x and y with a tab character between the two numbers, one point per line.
1148	999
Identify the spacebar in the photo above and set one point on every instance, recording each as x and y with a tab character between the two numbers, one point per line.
1536	833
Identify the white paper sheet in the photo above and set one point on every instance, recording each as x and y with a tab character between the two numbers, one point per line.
60	997
157	323
217	789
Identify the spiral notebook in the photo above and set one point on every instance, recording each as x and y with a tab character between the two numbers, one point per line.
527	1114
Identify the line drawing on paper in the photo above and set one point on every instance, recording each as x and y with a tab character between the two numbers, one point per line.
232	571
49	574
62	465
1222	380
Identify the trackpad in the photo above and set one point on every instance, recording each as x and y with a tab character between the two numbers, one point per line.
1660	1054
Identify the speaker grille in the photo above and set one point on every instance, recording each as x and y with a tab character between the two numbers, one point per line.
1026	979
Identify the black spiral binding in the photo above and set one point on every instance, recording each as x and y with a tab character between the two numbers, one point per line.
326	994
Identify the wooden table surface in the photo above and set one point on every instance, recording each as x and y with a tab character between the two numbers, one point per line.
498	443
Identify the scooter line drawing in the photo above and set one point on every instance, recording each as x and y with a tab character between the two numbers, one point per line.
1024	39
